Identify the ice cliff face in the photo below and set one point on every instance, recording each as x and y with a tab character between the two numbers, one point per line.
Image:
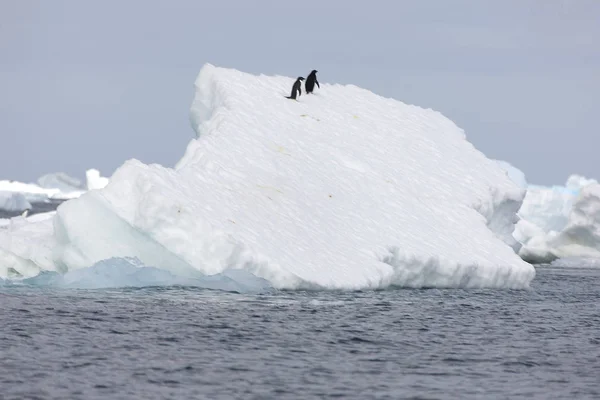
560	221
342	189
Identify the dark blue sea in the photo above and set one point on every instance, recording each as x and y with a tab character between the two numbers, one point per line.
184	343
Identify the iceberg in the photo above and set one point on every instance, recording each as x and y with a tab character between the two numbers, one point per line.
94	180
61	181
12	202
343	189
45	195
560	221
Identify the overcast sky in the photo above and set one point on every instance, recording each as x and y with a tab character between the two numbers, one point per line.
90	84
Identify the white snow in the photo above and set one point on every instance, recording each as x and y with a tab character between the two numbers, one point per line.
560	221
342	189
95	180
36	193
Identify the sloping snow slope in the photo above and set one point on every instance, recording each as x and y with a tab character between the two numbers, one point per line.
343	189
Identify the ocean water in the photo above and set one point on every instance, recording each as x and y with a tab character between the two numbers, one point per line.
182	343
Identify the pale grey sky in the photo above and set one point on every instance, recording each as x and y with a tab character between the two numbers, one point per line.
90	84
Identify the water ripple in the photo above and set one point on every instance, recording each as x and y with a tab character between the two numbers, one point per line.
156	343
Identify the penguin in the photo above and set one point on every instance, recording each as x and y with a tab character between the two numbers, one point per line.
297	87
311	79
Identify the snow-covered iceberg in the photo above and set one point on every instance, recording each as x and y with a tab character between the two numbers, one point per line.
60	181
45	195
342	189
560	221
13	202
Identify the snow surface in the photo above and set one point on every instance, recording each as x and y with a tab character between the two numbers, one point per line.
343	189
95	180
560	221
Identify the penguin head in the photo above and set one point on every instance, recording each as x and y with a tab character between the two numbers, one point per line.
300	78
314	71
